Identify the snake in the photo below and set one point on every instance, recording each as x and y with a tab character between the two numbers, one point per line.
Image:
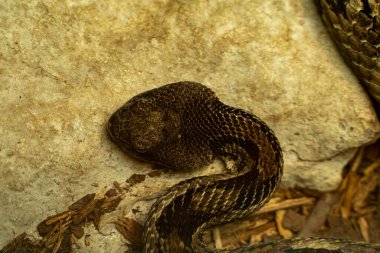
354	26
184	126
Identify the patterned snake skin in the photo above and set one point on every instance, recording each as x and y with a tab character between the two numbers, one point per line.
185	126
355	27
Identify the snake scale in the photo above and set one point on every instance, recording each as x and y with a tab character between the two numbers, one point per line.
354	25
184	126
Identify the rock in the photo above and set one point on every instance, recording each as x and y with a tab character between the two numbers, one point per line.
66	66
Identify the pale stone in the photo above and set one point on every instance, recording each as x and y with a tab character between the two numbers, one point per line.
65	66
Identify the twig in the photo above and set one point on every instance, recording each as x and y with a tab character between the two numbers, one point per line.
288	203
217	238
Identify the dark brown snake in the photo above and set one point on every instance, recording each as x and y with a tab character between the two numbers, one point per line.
184	126
354	25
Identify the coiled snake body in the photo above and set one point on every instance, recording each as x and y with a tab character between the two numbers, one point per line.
185	126
354	25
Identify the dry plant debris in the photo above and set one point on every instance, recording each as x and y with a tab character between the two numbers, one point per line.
59	230
132	231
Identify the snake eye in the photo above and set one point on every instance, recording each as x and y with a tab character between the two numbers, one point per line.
141	150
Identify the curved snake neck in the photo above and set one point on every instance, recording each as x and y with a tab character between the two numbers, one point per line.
185	126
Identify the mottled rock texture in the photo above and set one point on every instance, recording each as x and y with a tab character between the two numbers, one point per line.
65	66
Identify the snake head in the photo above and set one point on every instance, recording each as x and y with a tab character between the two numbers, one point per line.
162	126
141	127
137	127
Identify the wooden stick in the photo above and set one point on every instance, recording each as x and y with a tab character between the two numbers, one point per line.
288	203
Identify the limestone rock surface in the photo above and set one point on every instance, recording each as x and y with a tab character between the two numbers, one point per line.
65	66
